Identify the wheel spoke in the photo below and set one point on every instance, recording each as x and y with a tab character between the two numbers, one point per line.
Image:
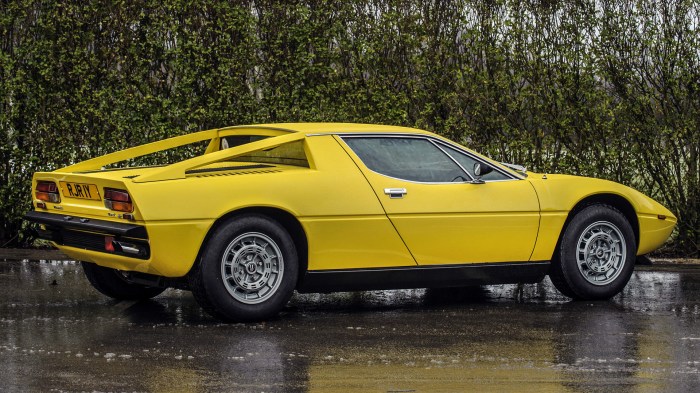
251	267
601	253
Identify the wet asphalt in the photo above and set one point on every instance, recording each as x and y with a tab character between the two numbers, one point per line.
58	334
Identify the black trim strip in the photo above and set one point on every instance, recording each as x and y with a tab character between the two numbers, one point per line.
423	276
228	168
87	224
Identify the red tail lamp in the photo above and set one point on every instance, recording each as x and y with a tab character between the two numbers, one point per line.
47	191
118	200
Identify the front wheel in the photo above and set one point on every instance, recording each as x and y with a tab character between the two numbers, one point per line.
113	283
596	254
248	270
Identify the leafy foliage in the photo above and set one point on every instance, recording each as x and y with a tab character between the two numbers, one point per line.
606	89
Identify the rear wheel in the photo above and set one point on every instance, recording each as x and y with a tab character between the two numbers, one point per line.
248	270
113	283
596	255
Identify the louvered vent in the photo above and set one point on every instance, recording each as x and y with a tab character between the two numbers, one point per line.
236	173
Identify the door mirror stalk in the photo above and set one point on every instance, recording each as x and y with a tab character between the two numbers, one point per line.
481	169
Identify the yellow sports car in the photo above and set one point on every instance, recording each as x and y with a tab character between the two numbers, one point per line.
263	210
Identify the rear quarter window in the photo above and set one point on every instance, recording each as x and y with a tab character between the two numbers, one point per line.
292	153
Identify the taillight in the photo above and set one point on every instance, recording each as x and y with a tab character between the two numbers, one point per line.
47	191
118	200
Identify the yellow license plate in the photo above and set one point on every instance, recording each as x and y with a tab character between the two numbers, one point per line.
80	190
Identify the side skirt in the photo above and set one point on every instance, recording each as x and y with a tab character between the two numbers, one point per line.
423	276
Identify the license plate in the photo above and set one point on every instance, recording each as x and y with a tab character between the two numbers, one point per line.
80	190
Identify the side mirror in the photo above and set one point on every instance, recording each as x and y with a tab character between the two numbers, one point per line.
481	169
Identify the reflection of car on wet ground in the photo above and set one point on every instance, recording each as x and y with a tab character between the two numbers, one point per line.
322	207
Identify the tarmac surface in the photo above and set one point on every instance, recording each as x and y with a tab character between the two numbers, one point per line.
58	334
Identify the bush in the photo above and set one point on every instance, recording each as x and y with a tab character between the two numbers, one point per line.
590	88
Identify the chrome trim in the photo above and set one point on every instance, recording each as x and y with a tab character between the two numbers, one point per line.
395	193
128	248
437	144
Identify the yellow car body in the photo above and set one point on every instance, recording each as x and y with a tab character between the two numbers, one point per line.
337	209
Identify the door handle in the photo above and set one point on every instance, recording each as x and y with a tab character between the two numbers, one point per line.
395	193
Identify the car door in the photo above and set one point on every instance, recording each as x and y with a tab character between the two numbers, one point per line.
427	190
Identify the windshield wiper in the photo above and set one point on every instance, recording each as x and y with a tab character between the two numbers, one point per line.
516	167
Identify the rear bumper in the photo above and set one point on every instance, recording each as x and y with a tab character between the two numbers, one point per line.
164	248
127	240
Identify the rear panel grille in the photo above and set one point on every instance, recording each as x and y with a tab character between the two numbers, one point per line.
90	241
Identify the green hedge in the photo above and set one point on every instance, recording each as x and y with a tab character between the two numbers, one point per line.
605	89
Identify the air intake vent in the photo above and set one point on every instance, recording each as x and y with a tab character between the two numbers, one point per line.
227	168
237	173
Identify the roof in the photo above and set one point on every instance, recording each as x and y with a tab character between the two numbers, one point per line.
333	128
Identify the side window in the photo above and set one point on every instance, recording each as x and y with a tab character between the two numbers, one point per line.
291	153
237	140
413	159
467	162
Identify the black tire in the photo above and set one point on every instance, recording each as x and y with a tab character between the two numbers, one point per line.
242	252
112	283
602	268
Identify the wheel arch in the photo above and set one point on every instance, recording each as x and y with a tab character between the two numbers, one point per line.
288	221
619	202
